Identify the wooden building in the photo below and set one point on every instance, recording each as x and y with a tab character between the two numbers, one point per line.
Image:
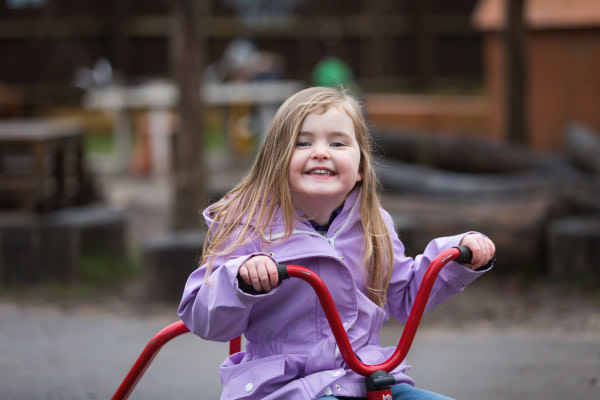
562	67
390	45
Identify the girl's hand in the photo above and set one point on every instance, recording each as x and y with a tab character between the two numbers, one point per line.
483	249
260	272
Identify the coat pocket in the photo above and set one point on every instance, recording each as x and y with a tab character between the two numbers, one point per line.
249	379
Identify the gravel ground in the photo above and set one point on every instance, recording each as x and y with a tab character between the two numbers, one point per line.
478	345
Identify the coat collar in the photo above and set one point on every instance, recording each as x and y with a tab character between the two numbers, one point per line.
349	214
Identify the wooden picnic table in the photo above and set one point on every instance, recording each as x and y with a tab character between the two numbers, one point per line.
233	99
41	164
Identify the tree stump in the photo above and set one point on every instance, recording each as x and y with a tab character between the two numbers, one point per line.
60	251
574	247
19	259
70	235
168	260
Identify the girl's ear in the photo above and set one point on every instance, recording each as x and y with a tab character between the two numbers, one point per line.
361	169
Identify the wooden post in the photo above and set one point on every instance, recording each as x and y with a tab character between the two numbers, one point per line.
516	80
188	45
119	42
425	46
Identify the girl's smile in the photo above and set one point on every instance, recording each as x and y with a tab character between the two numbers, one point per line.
325	163
321	171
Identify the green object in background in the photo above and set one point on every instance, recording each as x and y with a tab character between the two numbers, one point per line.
99	142
332	72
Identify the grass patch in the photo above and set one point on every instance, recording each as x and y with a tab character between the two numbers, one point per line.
215	139
99	142
100	268
588	286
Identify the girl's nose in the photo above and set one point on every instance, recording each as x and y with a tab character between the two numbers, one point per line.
320	151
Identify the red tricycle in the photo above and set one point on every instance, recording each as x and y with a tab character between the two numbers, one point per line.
377	379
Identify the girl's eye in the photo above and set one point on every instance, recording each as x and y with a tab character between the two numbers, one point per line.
302	144
337	144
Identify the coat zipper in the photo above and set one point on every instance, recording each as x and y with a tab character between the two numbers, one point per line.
330	240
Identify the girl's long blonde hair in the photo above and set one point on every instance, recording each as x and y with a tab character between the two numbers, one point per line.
246	212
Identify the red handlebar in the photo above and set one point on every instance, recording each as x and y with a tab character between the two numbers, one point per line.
410	328
143	362
414	318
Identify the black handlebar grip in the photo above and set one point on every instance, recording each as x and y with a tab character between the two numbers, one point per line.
466	255
281	273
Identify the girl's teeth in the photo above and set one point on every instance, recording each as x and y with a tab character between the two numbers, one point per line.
321	172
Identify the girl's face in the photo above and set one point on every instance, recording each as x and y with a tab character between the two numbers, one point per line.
325	164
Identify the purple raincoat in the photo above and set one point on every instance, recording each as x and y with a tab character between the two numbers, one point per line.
290	350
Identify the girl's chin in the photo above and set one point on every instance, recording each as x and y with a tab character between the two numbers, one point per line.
321	199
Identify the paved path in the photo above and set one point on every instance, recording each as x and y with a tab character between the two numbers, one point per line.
51	353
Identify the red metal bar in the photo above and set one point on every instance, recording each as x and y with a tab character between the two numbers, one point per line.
410	328
146	357
380	395
418	308
235	345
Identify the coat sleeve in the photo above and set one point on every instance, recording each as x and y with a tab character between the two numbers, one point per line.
408	274
216	309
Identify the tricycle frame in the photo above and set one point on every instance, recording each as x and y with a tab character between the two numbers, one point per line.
377	379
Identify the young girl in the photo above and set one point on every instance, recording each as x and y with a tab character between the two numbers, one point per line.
310	199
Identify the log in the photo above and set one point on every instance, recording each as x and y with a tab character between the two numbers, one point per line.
583	147
572	192
399	177
98	229
460	154
51	247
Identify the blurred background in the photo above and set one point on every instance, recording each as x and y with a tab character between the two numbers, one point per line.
486	113
121	120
